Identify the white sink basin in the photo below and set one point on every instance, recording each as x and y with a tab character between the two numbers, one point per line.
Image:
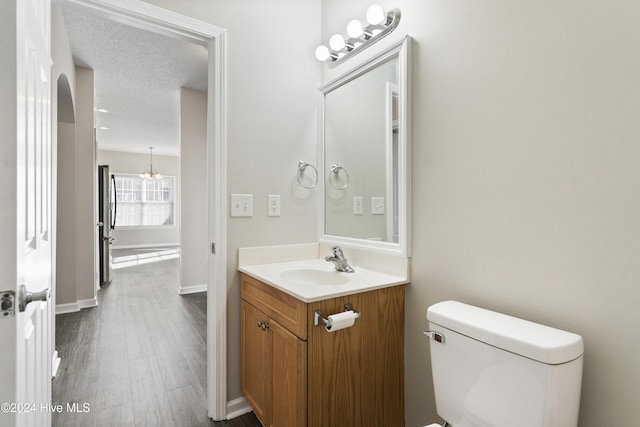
312	276
316	279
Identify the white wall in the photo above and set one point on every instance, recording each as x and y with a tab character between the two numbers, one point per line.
525	178
194	201
271	119
135	163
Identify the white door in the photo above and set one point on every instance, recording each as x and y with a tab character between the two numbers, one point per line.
25	213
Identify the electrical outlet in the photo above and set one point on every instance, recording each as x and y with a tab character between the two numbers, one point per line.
377	206
357	205
273	205
241	205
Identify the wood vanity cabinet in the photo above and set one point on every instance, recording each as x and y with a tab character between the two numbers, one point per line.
297	374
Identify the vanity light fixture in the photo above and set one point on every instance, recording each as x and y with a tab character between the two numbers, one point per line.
380	23
150	174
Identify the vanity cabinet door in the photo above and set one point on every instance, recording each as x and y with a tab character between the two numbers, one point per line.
254	360
273	370
288	378
356	375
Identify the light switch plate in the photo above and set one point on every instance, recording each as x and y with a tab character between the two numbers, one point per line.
273	207
241	205
377	205
357	205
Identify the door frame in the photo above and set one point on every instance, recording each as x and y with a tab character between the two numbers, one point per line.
162	21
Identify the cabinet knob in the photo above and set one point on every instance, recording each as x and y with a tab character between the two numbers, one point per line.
262	325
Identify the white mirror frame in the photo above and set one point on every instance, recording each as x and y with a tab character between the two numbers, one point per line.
401	49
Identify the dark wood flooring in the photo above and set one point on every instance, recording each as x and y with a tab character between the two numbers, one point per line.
139	358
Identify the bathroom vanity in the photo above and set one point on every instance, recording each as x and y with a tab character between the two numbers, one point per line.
296	373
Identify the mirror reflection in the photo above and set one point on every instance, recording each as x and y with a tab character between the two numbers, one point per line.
361	155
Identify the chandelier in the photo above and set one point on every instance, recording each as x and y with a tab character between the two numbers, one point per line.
150	174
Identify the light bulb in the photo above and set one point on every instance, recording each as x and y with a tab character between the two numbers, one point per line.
322	53
375	15
336	42
354	29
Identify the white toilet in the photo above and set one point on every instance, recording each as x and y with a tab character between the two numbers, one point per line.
494	370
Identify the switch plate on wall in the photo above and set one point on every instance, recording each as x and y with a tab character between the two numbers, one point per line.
241	205
377	205
357	205
273	208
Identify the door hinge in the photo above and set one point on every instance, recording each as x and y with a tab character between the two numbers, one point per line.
7	304
213	248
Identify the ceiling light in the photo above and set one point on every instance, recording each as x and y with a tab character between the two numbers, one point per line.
150	174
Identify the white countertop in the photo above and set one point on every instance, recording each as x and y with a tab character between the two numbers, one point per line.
313	280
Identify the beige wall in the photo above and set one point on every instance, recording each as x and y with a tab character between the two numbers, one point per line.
85	176
524	166
271	125
134	163
75	211
525	178
66	283
61	51
193	165
63	73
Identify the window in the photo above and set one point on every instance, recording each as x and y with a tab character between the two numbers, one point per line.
145	202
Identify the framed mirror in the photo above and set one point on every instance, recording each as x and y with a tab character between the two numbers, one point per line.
364	154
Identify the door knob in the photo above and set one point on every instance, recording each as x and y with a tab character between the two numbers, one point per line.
26	297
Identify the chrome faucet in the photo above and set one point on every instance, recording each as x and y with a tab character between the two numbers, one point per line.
339	260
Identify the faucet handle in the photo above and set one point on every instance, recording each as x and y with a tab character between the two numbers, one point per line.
337	251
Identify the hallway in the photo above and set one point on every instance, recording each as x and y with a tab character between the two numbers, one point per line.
139	358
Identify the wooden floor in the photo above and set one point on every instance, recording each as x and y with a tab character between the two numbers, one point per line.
139	358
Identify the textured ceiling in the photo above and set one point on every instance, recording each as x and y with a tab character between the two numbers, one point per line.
138	76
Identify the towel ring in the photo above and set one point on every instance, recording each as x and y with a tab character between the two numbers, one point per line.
302	165
335	170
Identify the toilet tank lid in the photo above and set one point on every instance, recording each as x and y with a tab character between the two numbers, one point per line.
528	339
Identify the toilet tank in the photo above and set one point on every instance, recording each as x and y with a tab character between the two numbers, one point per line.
494	370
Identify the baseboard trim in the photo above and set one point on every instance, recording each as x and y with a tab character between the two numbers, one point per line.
237	407
55	364
67	308
88	303
72	307
185	290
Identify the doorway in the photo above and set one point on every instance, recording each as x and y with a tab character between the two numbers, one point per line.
170	24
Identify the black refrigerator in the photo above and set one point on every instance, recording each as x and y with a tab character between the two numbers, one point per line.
107	211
